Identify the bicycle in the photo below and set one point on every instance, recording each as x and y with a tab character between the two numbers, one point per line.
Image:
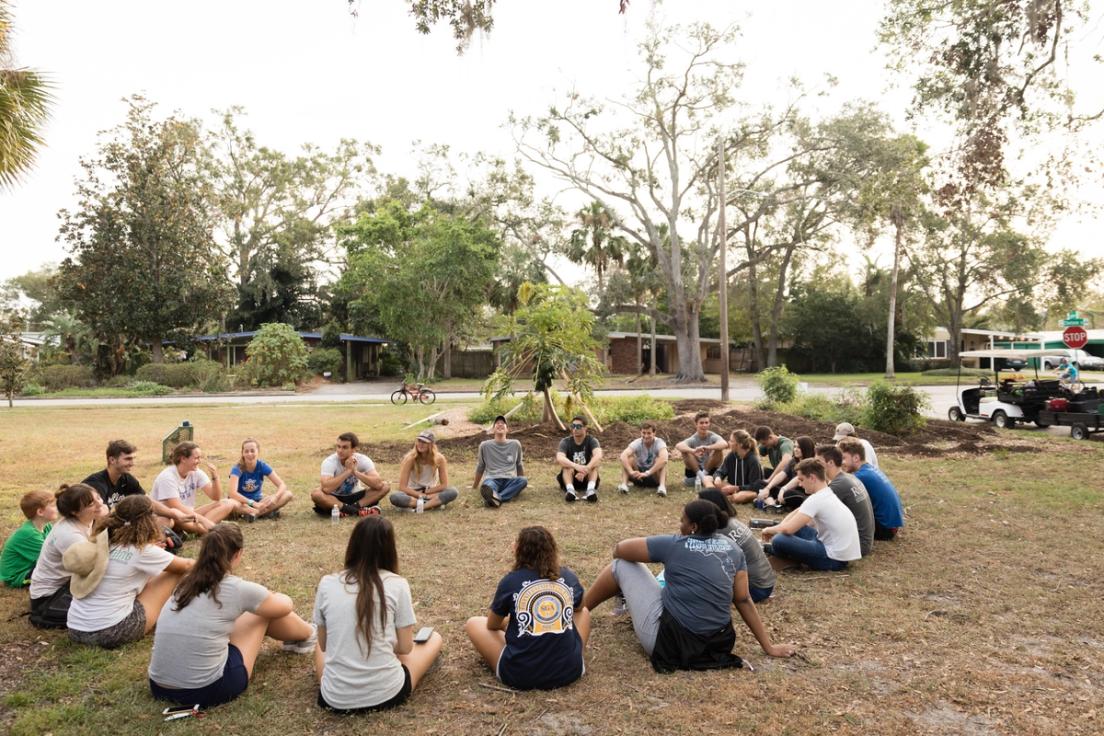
417	392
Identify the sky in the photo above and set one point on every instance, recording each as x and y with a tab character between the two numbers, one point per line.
307	71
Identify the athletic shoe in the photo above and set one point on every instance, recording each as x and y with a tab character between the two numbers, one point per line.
248	518
768	549
272	515
350	509
662	491
623	488
591	496
571	496
489	498
303	646
758	503
373	510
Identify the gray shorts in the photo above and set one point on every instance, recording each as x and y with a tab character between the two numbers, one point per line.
405	501
643	598
130	629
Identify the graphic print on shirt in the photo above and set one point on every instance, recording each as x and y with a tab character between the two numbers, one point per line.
544	607
579	458
717	547
249	486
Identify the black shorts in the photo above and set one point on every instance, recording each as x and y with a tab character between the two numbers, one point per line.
398	699
350	498
578	485
647	481
234	681
52	611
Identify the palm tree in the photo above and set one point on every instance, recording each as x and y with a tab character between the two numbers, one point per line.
594	243
24	103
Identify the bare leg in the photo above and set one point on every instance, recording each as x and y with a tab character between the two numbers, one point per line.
488	643
739	496
567	475
662	473
156	593
581	622
319	663
691	461
421	658
324	500
592	476
714	461
280	500
375	495
219	510
604	587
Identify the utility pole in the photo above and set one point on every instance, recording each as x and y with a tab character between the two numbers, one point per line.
724	270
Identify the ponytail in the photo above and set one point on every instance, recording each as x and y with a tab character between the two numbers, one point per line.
211	565
130	523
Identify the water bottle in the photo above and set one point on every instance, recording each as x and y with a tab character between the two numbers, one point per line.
335	515
698	483
421	505
661	578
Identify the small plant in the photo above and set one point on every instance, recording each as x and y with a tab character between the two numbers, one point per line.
149	388
32	389
894	409
277	355
779	384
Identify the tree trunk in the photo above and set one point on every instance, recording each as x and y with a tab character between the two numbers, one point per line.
688	339
779	301
652	357
639	342
446	364
157	351
549	414
753	312
892	316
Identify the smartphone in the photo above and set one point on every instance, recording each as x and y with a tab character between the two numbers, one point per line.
423	635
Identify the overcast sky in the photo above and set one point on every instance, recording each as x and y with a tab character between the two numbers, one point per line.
306	71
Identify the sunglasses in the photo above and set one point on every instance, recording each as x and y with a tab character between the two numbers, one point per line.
577	426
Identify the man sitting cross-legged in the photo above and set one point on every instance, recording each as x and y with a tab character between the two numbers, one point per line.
579	456
349	481
852	492
499	473
889	514
702	452
644	462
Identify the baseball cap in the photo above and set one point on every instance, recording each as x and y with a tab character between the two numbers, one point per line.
497	419
844	429
427	436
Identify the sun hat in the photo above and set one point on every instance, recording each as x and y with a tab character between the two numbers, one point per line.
844	429
87	561
426	436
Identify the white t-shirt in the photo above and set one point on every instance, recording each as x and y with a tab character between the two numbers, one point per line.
169	484
128	570
351	679
835	525
871	456
49	575
333	467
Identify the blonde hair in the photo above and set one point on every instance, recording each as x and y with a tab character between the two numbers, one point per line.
416	456
241	459
744	440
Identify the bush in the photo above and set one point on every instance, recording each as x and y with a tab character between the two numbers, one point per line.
323	360
779	384
277	356
203	374
58	377
32	389
148	388
821	408
631	409
391	364
894	409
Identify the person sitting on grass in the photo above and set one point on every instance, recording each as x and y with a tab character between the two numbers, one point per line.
121	577
740	476
247	479
852	492
786	491
644	462
366	658
687	624
210	633
822	533
779	451
25	543
178	485
499	473
702	452
79	506
536	631
349	481
761	576
847	429
889	514
423	477
579	456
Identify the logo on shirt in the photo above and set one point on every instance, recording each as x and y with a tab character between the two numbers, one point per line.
250	486
717	547
579	458
544	607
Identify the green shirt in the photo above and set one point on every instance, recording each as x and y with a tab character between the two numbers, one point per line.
21	553
784	446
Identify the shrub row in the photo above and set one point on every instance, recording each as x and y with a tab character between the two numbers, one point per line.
607	409
205	375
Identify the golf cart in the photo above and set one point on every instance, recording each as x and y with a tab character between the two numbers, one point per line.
1008	398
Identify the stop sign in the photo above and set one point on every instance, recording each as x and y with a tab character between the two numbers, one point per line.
1075	337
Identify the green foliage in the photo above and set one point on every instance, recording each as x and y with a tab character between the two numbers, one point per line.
202	374
32	389
850	407
607	409
323	360
779	385
894	409
277	356
13	366
24	106
957	371
58	377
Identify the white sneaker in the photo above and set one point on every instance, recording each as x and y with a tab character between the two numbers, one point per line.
661	491
304	646
623	488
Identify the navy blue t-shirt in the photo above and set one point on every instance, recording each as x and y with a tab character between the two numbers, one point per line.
251	481
543	649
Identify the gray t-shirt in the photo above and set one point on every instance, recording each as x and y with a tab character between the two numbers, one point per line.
760	572
499	459
695	440
699	573
189	646
852	492
646	456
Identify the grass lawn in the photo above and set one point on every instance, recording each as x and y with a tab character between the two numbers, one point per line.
983	618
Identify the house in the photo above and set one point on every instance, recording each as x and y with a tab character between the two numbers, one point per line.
362	354
937	344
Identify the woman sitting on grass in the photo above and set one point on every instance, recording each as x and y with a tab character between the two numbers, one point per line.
423	477
535	633
786	492
740	476
366	659
208	637
247	480
122	576
761	576
687	624
79	505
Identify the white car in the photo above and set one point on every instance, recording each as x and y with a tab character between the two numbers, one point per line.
1085	361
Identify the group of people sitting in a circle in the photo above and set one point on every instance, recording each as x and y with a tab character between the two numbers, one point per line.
107	570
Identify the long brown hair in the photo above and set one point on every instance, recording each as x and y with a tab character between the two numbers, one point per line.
535	549
371	548
130	523
211	565
241	459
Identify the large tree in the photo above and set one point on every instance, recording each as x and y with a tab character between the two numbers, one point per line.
24	107
143	266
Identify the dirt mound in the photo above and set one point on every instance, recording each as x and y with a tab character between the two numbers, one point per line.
540	442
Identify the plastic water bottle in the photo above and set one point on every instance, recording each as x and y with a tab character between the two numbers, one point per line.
335	515
421	505
661	578
698	483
